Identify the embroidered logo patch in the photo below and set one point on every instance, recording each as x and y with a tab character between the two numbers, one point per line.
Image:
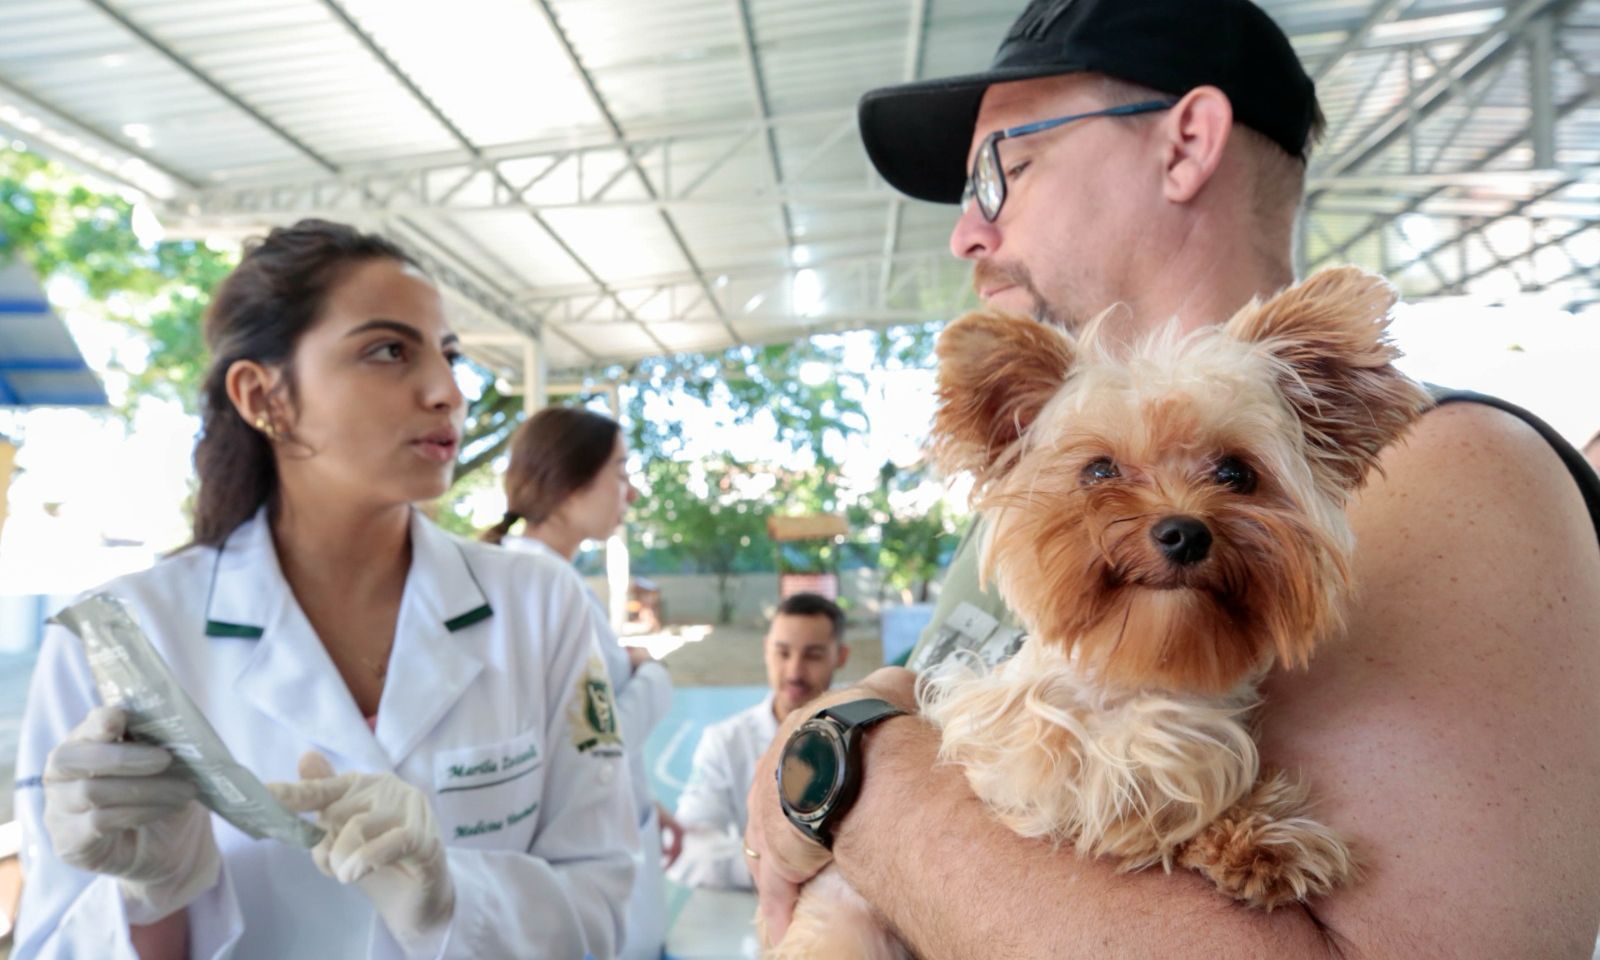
594	713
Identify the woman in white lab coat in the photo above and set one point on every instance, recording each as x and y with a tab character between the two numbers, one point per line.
442	701
568	483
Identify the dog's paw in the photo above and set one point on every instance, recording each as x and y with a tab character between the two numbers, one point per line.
1263	854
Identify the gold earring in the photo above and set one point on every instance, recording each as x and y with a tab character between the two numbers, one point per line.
265	426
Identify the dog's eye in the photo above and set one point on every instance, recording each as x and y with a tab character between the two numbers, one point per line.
1235	473
1101	469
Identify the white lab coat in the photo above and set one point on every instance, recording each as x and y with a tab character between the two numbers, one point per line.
712	807
493	665
643	698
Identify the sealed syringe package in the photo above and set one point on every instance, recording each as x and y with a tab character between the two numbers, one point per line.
130	674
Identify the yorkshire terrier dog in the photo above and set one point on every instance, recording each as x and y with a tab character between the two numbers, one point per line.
1167	520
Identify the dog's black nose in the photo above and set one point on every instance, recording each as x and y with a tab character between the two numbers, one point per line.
1184	540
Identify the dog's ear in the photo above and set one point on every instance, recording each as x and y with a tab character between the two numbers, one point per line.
996	372
1337	371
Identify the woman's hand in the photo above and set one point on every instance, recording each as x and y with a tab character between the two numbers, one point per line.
671	836
118	808
382	838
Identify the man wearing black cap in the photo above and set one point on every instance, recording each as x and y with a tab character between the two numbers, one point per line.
1151	154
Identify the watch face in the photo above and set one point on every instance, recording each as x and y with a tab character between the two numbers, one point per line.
811	769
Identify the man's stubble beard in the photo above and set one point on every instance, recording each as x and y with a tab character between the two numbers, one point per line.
987	273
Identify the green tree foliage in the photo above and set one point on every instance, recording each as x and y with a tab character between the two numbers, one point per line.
914	543
66	230
175	330
491	423
723	532
908	347
908	545
749	382
708	517
63	227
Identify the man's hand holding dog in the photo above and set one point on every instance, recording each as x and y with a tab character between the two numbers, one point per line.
784	858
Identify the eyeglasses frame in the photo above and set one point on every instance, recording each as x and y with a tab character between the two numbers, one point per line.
991	146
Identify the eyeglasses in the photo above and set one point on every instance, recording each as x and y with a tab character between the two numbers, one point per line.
987	181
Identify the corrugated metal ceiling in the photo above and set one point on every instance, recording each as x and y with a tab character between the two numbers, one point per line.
632	178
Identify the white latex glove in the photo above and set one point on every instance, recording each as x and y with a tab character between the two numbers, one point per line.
382	838
112	807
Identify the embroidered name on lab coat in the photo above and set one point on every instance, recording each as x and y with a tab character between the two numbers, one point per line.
477	767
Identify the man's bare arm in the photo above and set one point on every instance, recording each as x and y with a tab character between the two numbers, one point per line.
956	885
1455	733
1452	736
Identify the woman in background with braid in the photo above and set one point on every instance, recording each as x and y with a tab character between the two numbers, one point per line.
568	483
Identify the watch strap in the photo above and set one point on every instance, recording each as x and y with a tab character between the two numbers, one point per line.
861	713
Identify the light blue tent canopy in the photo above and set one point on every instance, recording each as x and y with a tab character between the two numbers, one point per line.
40	365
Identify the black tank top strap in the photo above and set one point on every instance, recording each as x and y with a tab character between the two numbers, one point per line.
1588	481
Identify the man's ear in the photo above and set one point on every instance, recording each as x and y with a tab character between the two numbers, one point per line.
996	372
844	654
1195	133
1336	368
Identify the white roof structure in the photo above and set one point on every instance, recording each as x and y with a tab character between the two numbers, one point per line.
616	179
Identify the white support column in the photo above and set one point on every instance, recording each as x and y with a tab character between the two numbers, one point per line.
534	382
618	567
617	577
1541	91
1411	109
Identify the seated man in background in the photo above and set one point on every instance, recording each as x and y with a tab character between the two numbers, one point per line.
804	646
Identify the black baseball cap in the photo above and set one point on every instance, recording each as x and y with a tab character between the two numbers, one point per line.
918	134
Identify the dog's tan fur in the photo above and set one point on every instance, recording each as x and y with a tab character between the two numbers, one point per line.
1123	726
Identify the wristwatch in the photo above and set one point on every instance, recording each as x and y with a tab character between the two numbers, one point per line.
819	773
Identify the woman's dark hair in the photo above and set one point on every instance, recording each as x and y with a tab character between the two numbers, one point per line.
260	312
556	453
